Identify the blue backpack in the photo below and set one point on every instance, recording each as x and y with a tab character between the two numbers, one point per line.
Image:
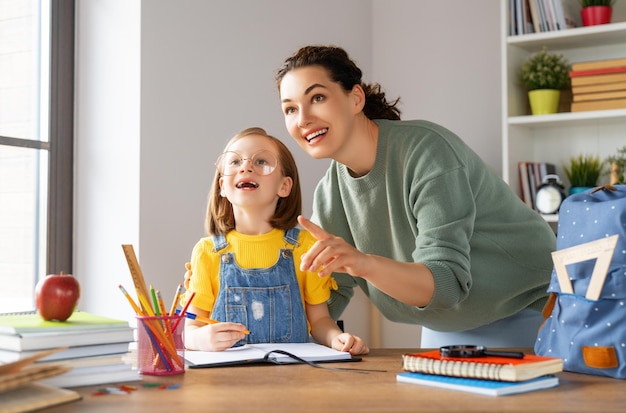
586	314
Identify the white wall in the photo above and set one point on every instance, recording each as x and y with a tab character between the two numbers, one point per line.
442	58
162	84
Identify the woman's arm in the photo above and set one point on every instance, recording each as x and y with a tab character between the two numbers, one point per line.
412	283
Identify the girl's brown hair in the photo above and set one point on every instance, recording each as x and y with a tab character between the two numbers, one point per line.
345	72
220	218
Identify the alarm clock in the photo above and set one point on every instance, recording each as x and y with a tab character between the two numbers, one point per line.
550	194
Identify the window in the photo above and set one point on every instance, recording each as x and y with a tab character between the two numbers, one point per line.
36	145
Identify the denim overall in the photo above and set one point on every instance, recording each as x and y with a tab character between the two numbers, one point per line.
265	300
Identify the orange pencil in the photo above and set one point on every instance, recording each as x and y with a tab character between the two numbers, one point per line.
176	298
131	301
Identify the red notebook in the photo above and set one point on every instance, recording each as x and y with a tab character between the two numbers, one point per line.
489	367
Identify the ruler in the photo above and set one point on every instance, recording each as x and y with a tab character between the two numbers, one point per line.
135	272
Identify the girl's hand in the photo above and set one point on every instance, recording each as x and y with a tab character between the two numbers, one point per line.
214	337
347	342
187	275
331	253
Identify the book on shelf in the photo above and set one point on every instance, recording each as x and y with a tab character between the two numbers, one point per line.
603	87
534	15
531	176
478	386
559	11
552	21
598	79
599	71
527	17
545	15
35	396
488	367
599	105
598	64
31	322
75	352
524	184
585	97
266	353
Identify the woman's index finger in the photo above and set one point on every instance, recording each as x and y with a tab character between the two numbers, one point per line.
315	230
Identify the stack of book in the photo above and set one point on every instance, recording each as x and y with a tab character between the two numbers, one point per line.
488	375
598	85
94	348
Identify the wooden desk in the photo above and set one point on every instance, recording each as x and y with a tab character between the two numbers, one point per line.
302	388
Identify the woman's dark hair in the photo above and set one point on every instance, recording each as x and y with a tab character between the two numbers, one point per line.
344	71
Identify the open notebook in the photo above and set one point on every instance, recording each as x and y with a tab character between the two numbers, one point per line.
266	353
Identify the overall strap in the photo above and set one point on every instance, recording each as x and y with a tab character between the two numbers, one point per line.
219	242
291	236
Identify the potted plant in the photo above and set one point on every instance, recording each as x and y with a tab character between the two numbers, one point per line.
583	172
596	12
544	74
618	167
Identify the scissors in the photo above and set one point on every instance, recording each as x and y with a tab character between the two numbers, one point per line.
469	351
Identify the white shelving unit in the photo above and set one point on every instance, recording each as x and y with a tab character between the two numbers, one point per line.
555	138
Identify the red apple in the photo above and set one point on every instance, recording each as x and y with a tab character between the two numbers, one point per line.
56	296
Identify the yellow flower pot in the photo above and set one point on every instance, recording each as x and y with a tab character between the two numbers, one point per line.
544	101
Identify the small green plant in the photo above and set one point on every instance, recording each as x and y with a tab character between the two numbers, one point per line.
589	3
618	166
545	70
583	170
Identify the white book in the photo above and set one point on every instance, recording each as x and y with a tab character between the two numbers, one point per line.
90	378
255	353
40	341
8	356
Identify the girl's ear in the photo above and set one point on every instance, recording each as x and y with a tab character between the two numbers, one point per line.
221	189
285	187
358	96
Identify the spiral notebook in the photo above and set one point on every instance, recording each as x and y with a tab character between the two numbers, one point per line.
490	367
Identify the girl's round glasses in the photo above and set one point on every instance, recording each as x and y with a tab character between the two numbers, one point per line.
230	163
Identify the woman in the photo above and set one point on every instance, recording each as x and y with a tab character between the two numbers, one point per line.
411	214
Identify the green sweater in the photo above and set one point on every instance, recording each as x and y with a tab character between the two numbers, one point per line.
430	199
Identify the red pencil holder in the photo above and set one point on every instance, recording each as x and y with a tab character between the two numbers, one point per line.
160	346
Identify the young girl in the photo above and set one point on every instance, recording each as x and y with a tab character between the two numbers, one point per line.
246	274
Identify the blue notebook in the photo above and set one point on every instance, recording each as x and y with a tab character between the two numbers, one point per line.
479	386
